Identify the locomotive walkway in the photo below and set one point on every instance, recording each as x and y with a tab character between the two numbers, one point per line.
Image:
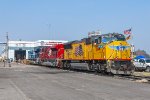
26	82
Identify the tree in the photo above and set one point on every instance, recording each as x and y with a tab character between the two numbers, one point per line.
142	52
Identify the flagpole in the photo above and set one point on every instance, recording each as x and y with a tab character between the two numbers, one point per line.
132	46
133	49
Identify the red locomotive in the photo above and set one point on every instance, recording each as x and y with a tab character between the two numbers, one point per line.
51	55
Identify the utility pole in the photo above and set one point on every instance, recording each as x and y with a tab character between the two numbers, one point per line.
7	50
7	46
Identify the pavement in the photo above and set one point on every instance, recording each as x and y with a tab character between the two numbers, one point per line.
27	82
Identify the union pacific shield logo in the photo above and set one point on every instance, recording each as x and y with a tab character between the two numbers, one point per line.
119	47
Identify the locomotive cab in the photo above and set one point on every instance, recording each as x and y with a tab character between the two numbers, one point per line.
118	54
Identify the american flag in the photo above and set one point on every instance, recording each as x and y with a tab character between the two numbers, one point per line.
78	50
127	31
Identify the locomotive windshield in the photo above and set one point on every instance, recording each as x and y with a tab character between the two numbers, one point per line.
120	37
113	37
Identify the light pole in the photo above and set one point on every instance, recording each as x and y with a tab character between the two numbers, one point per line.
7	46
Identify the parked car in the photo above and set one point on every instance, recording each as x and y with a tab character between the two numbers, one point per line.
142	64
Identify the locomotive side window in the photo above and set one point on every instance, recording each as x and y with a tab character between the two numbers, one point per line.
98	40
68	46
88	41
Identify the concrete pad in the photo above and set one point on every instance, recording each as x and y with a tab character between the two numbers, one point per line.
9	91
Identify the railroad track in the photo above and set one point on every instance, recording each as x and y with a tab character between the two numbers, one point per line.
140	79
136	78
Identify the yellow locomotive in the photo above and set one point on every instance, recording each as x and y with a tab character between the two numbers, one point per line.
107	52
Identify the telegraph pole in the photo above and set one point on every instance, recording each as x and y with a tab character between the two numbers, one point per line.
7	49
7	46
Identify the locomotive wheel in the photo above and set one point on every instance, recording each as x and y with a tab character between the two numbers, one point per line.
65	65
90	67
60	64
98	68
68	65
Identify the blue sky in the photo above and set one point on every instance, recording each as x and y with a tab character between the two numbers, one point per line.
73	19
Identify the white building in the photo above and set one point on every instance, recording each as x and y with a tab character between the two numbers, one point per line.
19	49
24	49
